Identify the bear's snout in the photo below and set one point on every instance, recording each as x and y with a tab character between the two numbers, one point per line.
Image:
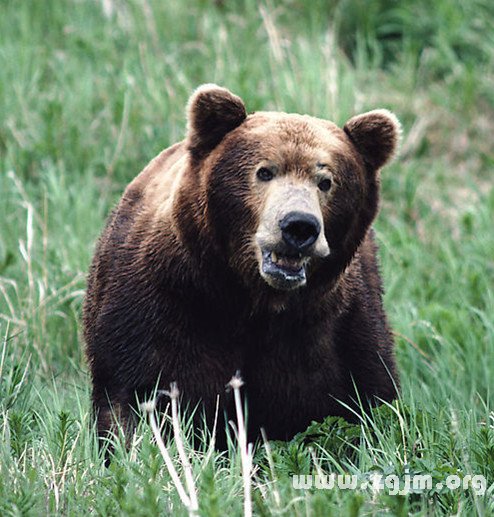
290	235
300	231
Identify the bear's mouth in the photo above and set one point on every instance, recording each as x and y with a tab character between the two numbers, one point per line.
284	271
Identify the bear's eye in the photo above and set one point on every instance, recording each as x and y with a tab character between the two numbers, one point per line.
265	174
324	185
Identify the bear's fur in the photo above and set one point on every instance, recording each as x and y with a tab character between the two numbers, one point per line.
193	279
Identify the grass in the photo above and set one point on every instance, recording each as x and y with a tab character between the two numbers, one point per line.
90	91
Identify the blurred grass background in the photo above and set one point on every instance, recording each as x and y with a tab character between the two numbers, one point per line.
91	90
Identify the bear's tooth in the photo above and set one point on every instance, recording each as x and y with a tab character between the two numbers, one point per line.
274	257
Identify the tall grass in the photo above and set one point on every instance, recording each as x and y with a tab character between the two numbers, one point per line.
90	91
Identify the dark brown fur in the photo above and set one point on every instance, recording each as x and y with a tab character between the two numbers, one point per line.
174	292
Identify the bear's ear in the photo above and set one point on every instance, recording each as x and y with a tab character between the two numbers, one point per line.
376	135
212	112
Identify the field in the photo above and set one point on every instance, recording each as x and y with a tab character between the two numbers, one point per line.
91	90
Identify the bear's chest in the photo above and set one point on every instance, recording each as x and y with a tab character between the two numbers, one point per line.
293	375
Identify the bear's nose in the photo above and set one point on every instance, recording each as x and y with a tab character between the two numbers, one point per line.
299	230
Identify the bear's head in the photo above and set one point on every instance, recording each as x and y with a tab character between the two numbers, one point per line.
284	198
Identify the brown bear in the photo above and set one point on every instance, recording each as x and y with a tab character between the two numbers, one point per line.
247	247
